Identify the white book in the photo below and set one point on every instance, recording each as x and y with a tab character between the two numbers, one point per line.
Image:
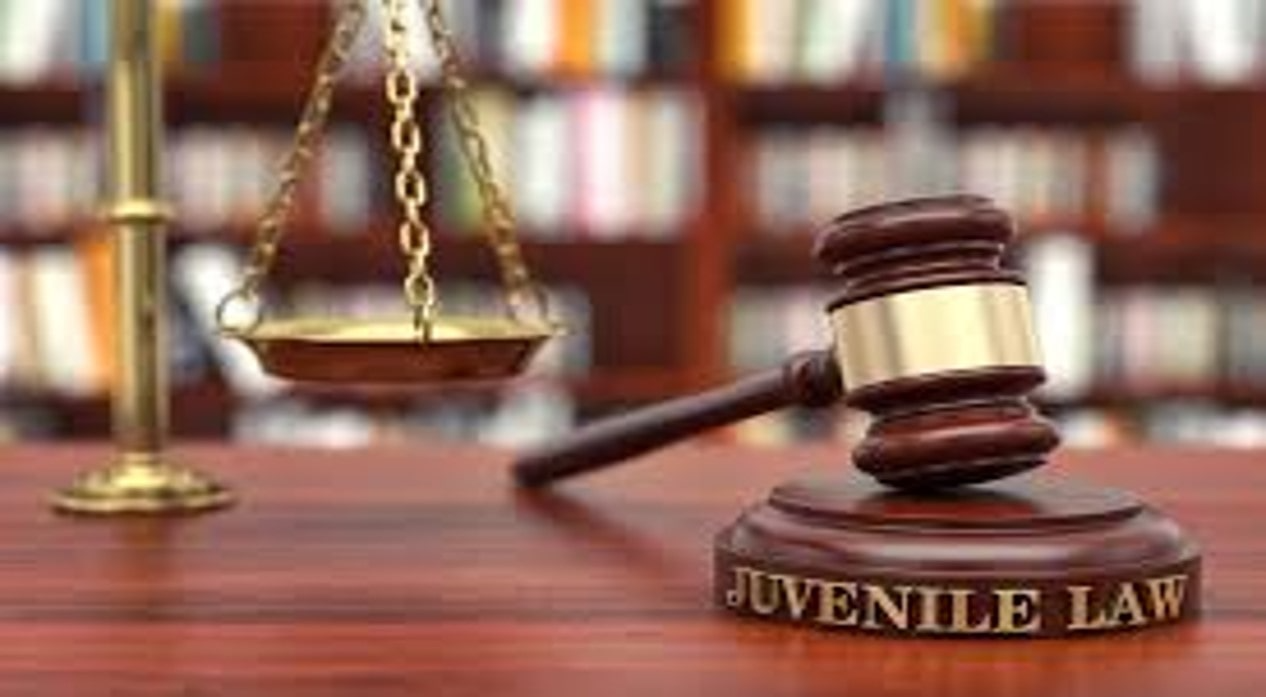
1221	38
773	36
845	190
204	274
1060	269
85	174
823	169
543	179
836	33
39	178
62	324
10	312
670	184
1133	180
764	178
621	27
1156	39
198	183
606	202
531	40
34	31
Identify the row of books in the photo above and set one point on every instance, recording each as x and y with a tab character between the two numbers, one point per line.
546	38
603	162
221	177
831	41
1167	336
1198	40
600	162
57	329
217	177
67	39
1041	174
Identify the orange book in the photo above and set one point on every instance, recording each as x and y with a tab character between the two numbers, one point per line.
96	256
954	38
732	22
577	25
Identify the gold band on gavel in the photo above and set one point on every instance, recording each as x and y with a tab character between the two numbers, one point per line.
934	330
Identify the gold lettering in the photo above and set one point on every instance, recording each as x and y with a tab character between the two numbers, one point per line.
1127	609
1018	610
960	613
1167	596
1079	610
930	609
737	596
762	596
896	611
797	591
837	603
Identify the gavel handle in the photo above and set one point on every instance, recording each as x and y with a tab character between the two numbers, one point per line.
809	379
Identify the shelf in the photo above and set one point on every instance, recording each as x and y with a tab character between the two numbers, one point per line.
195	98
251	94
42	103
998	95
790	105
1053	97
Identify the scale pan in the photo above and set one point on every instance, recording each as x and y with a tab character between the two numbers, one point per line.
388	350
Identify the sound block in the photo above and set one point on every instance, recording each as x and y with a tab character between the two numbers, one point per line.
1026	557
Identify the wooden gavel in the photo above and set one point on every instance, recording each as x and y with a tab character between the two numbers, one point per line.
933	338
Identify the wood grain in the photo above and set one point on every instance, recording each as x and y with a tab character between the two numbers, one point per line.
423	572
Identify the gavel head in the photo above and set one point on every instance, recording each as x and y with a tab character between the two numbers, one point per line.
934	339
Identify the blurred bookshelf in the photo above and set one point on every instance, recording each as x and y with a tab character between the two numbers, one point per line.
670	161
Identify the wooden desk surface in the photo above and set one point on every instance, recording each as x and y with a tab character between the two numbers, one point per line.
421	572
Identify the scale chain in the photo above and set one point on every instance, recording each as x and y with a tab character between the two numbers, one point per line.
499	219
272	224
410	185
411	191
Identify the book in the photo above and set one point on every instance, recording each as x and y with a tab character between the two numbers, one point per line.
10	330
203	274
68	364
1061	276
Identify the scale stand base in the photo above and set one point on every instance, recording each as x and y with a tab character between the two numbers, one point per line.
1025	557
142	483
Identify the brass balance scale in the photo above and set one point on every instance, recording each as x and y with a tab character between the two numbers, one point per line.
423	346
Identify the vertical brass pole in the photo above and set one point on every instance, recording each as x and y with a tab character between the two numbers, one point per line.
140	480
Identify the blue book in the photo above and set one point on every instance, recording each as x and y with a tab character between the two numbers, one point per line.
94	37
